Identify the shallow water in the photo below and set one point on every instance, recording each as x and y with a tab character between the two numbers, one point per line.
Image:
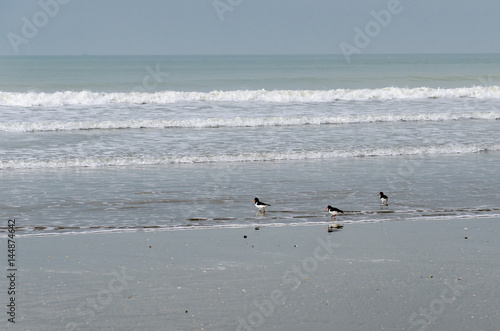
194	195
89	149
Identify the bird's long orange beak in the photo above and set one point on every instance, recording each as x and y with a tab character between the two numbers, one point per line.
253	200
378	194
326	208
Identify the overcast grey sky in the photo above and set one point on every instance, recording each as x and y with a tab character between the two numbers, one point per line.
67	27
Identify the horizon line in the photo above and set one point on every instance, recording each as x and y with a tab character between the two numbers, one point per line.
253	54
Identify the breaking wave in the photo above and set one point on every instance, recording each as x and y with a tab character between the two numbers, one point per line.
242	122
62	98
106	161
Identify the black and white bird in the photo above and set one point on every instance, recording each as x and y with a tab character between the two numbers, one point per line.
384	199
334	211
261	205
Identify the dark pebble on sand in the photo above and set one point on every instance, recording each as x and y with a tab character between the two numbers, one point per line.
245	237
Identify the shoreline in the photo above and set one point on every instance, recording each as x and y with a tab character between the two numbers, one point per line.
28	232
394	275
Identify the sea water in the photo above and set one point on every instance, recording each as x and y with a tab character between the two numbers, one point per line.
124	143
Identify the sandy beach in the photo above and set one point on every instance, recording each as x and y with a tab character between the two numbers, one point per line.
137	139
434	275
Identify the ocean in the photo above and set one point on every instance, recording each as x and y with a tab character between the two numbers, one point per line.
141	143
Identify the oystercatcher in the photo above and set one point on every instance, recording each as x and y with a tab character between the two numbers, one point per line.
384	199
261	205
334	211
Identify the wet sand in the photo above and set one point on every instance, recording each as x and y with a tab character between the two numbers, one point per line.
434	275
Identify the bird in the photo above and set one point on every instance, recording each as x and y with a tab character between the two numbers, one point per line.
384	199
334	211
261	205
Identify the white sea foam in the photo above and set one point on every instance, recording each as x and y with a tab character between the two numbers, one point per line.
41	99
242	122
48	163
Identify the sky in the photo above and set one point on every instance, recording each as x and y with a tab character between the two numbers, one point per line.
179	27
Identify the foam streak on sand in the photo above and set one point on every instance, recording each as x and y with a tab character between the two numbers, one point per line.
40	99
244	122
